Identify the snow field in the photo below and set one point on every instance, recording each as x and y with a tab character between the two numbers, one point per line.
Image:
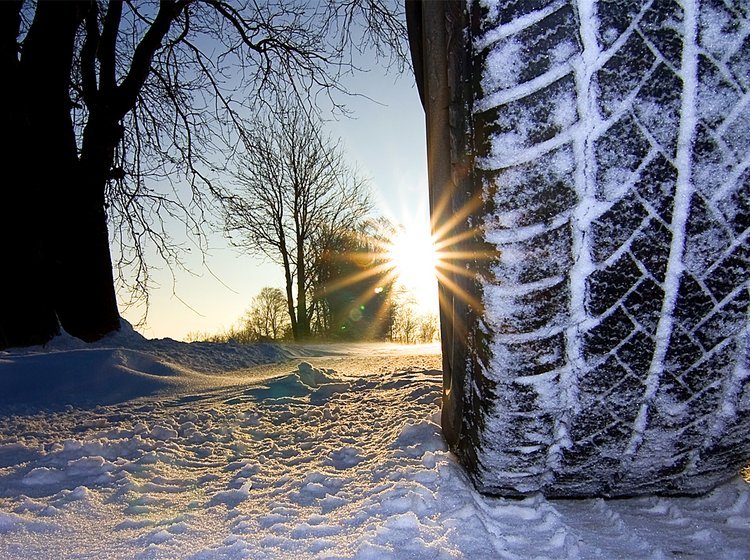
317	463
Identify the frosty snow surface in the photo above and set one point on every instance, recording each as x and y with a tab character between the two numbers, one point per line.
319	452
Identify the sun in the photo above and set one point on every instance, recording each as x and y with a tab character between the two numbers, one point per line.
414	259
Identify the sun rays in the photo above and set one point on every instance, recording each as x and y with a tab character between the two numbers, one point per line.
412	259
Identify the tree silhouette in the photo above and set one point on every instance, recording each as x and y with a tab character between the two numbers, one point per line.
354	282
296	191
108	106
268	314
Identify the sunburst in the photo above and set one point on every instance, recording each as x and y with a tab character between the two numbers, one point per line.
415	262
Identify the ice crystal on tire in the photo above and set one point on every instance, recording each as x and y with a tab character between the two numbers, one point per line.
613	150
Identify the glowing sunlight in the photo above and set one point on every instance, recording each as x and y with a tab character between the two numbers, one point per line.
414	259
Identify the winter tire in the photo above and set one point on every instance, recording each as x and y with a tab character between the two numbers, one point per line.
590	187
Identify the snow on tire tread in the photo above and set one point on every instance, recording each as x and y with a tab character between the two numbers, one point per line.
612	146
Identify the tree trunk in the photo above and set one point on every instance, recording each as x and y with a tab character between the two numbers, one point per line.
86	301
54	225
303	320
40	169
26	311
53	222
288	284
76	240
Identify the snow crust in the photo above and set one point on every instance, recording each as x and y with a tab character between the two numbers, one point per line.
125	365
334	456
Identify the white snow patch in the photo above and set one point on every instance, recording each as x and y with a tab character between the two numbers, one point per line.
43	475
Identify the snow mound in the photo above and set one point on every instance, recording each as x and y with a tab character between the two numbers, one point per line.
126	337
124	366
309	383
83	377
313	377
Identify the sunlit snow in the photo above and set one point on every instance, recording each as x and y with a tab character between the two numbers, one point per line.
323	452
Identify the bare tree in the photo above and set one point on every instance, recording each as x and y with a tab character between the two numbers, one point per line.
110	106
268	314
428	328
295	188
405	327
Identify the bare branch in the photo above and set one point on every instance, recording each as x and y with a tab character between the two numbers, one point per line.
140	65
106	46
89	87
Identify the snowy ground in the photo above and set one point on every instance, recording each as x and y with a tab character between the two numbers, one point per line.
200	451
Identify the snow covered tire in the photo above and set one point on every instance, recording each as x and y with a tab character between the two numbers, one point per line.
590	178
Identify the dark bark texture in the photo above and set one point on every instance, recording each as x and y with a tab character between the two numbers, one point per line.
39	167
57	266
26	311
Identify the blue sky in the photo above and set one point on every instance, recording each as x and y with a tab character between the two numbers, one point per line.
384	139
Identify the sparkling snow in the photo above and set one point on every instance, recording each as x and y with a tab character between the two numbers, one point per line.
323	452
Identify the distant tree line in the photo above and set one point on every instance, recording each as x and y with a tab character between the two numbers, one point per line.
348	291
266	320
411	327
352	316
